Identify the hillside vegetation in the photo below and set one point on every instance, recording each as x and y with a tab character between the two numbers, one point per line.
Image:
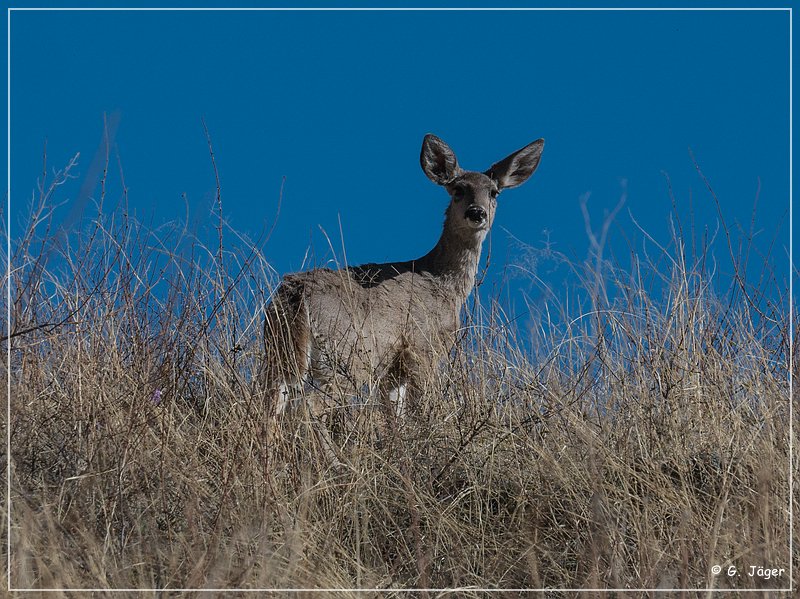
634	438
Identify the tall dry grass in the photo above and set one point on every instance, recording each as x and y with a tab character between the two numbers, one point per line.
635	437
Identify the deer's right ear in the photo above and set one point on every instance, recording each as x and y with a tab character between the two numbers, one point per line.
514	170
438	160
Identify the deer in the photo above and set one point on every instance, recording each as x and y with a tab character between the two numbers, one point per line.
389	323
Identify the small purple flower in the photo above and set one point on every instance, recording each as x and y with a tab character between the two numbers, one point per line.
156	399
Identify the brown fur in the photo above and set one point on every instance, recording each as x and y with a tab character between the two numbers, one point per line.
390	323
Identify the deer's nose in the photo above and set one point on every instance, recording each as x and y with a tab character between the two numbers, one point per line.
476	214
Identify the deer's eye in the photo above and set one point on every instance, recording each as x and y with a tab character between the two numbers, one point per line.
458	194
494	193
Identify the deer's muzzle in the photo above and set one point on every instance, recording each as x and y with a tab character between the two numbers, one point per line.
476	215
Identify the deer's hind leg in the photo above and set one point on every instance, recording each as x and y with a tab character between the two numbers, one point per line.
287	348
286	365
289	344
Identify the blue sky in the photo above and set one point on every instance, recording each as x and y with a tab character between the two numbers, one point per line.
338	103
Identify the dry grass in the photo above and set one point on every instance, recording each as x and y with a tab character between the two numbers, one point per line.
643	439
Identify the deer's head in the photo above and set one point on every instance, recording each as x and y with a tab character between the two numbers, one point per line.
473	195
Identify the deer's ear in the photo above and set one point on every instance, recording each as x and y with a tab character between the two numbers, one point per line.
438	160
515	169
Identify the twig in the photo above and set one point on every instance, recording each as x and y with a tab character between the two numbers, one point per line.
218	199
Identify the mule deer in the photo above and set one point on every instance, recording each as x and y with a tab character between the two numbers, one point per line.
390	322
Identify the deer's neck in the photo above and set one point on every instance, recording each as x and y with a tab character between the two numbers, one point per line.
455	259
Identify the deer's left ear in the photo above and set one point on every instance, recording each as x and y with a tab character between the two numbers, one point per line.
515	169
438	160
